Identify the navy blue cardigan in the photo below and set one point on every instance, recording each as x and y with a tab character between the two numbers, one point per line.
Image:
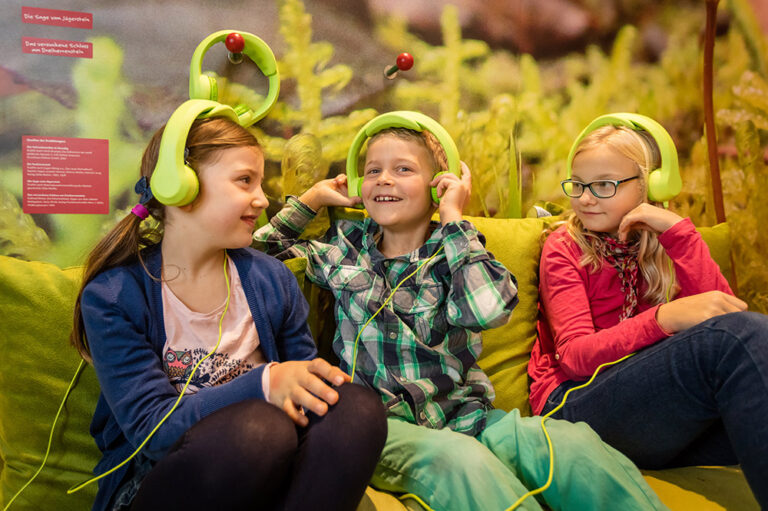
123	315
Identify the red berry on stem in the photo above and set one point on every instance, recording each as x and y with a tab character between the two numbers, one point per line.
235	42
404	61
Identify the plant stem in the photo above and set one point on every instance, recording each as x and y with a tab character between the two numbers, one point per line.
709	114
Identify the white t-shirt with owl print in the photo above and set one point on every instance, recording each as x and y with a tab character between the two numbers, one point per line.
191	335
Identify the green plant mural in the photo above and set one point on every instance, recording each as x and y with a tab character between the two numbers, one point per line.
97	82
513	118
19	235
305	63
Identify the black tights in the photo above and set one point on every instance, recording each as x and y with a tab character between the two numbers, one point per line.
251	455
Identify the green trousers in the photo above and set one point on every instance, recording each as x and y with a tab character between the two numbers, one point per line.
451	471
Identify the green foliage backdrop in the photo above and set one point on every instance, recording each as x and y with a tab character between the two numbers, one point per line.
513	118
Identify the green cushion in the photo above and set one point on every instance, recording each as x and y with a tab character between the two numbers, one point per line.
718	239
298	266
506	349
702	488
36	366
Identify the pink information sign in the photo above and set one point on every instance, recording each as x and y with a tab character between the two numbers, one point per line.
57	17
65	175
57	47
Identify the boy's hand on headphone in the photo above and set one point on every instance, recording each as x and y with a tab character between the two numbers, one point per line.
649	218
683	313
454	194
329	192
302	383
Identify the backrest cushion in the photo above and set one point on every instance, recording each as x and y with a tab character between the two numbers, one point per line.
506	349
36	366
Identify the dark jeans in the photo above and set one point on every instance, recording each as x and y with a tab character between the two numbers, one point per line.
697	398
250	455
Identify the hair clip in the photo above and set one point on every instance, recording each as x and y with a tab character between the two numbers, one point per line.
143	189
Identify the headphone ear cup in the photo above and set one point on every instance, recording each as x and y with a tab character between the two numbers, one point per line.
188	184
655	185
360	187
214	89
433	189
245	116
174	186
173	182
208	88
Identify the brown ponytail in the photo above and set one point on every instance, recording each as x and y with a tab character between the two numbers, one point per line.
121	245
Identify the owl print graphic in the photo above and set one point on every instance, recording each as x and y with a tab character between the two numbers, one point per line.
177	364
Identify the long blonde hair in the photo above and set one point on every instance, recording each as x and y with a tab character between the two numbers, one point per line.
655	266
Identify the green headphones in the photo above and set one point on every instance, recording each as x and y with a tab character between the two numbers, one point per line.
399	119
664	183
173	182
202	86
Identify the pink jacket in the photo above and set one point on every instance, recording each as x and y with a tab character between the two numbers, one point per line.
579	311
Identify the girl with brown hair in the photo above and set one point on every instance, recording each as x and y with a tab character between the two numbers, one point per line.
185	309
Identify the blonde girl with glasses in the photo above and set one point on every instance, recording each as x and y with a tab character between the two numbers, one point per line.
626	276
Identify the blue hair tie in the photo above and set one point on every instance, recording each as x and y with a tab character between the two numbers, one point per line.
143	189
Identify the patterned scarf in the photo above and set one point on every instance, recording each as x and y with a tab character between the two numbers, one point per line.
622	255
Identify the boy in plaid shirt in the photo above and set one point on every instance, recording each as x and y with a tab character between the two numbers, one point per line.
435	288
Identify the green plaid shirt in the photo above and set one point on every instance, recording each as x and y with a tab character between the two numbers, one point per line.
420	352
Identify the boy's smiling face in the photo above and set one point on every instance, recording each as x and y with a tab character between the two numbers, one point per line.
395	188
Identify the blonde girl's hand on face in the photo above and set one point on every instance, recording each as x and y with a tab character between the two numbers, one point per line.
454	194
329	192
297	384
683	313
649	218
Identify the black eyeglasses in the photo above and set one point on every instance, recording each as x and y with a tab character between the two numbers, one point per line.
602	189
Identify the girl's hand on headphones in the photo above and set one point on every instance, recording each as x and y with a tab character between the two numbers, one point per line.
683	313
302	384
454	194
649	218
329	192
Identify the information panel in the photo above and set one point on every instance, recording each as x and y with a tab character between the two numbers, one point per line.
65	175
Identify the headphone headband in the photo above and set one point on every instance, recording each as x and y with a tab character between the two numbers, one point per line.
664	183
204	87
411	120
173	182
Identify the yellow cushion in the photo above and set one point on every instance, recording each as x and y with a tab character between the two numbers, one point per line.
37	366
702	488
718	239
506	350
37	301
